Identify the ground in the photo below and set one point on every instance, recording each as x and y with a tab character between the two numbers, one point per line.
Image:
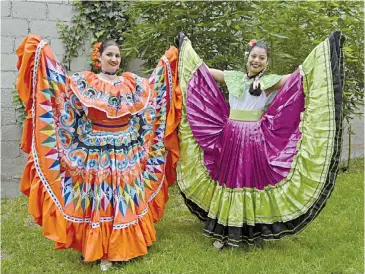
332	243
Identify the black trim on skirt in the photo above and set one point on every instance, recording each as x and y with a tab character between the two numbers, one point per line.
247	234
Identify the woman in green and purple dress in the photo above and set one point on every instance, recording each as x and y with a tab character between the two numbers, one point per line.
262	167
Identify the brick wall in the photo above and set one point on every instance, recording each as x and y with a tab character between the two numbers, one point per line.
19	18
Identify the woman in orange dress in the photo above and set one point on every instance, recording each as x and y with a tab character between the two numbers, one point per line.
102	150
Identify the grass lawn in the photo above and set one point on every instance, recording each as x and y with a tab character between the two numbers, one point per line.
333	243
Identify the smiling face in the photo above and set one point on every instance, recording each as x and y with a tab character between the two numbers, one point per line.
257	60
110	59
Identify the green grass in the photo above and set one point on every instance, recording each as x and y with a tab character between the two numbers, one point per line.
333	243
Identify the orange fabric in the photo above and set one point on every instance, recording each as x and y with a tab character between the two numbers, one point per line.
102	123
25	65
49	168
104	242
26	141
173	119
102	87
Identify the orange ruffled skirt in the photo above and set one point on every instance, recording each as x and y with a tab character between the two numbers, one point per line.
97	179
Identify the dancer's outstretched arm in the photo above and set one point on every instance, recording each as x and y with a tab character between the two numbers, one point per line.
217	74
278	85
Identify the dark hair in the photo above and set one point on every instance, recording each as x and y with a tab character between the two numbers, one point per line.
257	91
261	45
106	44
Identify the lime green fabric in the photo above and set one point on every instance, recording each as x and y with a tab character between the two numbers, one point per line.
294	195
237	82
267	81
245	115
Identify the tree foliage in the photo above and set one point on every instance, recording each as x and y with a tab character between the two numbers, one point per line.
101	20
20	113
220	31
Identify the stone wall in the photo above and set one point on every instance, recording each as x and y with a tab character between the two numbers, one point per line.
357	140
19	18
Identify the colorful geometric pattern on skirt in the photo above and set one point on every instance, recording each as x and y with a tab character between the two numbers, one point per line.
103	188
89	159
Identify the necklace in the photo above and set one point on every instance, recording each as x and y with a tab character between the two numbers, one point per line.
251	77
108	74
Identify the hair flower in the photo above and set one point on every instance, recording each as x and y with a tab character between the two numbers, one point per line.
95	55
252	43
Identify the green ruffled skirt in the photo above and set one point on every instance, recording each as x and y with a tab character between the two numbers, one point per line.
247	214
